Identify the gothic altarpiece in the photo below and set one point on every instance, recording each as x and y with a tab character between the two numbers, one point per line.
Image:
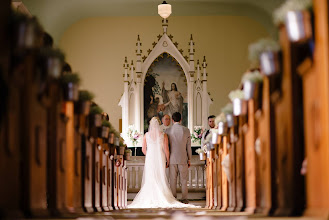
162	83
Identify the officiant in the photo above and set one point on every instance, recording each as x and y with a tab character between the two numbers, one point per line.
165	123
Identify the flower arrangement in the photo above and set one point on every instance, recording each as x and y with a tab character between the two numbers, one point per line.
220	118
253	76
228	109
290	5
260	46
197	134
236	94
201	150
133	135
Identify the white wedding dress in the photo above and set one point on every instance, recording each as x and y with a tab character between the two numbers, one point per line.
155	191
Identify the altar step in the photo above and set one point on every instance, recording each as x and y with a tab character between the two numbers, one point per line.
193	194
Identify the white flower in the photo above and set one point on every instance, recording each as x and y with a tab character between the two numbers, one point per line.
265	44
220	118
253	76
228	109
290	5
199	151
236	94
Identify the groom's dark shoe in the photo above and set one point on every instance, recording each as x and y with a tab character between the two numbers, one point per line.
185	201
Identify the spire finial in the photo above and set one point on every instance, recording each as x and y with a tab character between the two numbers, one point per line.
126	60
204	59
132	63
191	37
138	38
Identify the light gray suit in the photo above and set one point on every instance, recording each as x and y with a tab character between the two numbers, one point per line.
180	152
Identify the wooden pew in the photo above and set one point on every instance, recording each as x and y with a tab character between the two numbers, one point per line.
232	183
210	180
56	172
79	134
124	185
289	134
266	146
217	170
87	173
70	138
250	132
88	159
98	148
110	186
10	122
105	178
316	105
117	182
34	142
225	196
240	168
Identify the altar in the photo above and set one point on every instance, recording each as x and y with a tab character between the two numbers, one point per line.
163	82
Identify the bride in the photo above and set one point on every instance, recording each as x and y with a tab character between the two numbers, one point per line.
155	191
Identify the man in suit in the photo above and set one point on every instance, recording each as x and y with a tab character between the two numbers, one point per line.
180	155
211	123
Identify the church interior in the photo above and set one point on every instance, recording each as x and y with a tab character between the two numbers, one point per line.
86	77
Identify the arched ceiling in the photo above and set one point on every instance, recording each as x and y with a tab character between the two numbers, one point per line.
58	15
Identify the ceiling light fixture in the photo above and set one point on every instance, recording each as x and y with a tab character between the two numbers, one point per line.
164	10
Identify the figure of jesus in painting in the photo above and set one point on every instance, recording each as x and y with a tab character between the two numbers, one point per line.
172	100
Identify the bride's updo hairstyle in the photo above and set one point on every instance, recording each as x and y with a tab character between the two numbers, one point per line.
156	118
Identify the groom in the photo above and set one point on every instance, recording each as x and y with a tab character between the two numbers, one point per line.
180	155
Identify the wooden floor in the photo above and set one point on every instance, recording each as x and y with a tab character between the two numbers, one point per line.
179	214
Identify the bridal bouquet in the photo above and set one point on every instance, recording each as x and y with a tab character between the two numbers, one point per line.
197	134
133	135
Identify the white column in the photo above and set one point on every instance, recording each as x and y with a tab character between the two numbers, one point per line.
205	96
139	87
191	85
125	104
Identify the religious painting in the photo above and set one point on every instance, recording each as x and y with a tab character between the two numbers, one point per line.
165	90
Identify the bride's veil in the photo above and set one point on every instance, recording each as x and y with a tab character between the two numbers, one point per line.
154	130
155	162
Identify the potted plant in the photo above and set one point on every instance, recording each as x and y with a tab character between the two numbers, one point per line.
239	104
105	129
83	105
128	154
52	61
250	81
201	152
228	111
26	30
71	83
111	136
96	116
121	148
297	18
222	124
266	53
